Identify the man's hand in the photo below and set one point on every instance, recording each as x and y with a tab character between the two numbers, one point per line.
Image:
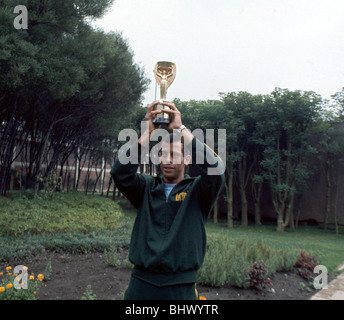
175	121
150	126
175	116
150	114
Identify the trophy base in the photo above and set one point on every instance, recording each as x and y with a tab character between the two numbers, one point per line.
163	118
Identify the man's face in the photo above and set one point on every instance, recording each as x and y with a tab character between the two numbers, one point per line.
172	162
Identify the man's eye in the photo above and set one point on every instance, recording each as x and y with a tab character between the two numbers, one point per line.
164	154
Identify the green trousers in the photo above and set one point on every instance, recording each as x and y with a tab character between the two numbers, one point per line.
141	290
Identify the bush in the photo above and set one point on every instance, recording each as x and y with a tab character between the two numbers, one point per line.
112	257
15	248
305	265
259	276
65	212
228	263
214	270
88	294
237	272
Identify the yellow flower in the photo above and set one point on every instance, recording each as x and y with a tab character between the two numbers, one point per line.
9	286
8	268
31	277
40	277
1	273
9	273
2	289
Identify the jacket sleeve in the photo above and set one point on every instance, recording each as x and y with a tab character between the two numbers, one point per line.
126	178
212	178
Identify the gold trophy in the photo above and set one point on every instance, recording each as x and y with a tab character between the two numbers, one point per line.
164	72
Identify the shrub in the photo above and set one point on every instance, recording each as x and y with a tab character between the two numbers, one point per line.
228	263
112	257
237	272
305	264
89	295
214	270
259	276
65	212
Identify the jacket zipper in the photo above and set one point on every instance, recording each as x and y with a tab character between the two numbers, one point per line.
160	262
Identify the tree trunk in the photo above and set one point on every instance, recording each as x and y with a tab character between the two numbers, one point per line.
244	219
109	186
335	206
41	159
289	219
229	190
280	222
257	215
280	209
7	144
216	211
242	186
328	190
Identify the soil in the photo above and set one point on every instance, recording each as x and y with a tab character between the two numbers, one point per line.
71	274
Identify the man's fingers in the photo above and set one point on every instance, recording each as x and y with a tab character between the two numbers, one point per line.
169	111
152	105
170	104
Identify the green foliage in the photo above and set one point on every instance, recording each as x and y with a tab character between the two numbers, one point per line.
214	270
72	83
228	263
19	247
47	271
89	295
64	212
112	257
73	223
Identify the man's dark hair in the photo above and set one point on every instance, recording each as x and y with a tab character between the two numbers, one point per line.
174	137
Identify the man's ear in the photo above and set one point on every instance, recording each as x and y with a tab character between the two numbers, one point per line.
187	160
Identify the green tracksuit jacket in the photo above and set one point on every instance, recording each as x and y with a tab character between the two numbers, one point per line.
168	241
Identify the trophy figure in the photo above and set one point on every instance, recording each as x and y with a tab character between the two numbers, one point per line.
164	72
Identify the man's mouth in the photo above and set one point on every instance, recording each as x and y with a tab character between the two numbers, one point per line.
168	168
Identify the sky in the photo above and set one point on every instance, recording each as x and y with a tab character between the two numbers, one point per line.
234	45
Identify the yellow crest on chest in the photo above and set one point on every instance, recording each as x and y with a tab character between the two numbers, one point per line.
181	196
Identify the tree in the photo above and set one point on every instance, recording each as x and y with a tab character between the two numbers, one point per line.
245	153
63	84
290	117
331	147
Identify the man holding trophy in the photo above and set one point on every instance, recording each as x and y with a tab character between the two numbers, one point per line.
168	241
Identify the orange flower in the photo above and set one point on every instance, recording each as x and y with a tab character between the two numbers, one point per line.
34	292
8	268
2	289
9	286
40	277
31	277
202	298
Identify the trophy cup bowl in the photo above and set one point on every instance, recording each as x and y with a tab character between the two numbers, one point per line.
165	73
